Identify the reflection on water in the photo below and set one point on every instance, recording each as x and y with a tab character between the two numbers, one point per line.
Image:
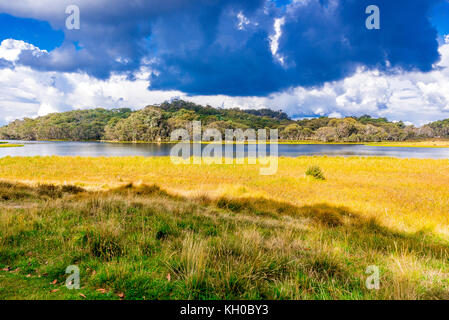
97	149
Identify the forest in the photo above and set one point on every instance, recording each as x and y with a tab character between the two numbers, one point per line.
155	123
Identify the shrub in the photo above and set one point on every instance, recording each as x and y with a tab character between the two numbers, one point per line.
315	171
232	205
71	189
49	190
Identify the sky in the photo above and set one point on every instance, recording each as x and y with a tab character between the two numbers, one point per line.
308	58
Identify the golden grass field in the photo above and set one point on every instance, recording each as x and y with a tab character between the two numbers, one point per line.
393	213
409	193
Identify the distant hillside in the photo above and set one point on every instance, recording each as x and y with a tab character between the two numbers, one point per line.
155	123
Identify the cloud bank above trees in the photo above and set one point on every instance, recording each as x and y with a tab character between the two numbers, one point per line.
309	57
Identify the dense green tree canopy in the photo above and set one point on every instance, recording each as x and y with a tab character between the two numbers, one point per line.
155	123
75	125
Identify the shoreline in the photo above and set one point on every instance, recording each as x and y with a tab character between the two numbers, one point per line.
436	143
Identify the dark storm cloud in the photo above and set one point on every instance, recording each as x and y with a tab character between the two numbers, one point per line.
321	41
224	47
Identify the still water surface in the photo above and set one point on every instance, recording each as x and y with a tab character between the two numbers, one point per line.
97	149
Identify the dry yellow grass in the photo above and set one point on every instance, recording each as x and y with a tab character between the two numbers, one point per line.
407	194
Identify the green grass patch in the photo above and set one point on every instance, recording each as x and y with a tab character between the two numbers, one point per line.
140	242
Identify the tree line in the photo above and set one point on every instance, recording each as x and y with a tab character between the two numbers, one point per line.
155	123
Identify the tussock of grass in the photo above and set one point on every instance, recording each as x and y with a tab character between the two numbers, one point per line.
149	244
104	246
315	172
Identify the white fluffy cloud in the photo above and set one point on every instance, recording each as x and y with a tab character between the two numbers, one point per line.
10	49
28	93
414	97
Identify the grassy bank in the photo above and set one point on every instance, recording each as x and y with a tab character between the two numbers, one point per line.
224	231
412	144
9	145
235	142
431	143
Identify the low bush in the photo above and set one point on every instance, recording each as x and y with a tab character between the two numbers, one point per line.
316	172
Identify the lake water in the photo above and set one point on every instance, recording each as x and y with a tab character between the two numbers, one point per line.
96	149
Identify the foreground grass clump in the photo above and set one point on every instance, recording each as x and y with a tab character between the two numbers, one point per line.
141	242
315	172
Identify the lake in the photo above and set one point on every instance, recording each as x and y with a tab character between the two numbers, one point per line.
97	149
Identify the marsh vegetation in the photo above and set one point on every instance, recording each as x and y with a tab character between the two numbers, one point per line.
215	232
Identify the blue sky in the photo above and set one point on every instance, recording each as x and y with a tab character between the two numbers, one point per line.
38	33
295	55
440	17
